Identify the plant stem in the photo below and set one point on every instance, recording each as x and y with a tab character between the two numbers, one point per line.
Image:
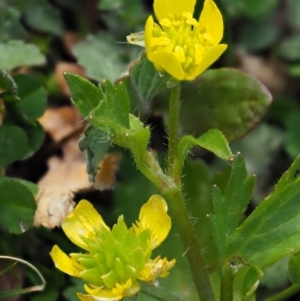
227	278
190	243
290	291
174	106
177	204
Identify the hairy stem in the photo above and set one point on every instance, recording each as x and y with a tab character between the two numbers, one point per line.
227	278
190	243
174	106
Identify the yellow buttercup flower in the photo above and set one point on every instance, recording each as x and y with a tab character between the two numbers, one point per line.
180	45
116	259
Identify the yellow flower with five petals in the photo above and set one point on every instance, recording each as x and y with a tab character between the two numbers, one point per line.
180	45
116	259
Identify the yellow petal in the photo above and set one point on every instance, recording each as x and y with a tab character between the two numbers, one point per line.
153	216
164	8
81	222
168	62
99	294
148	34
156	268
212	18
211	56
83	297
63	262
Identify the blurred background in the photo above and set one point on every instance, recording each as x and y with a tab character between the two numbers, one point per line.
89	38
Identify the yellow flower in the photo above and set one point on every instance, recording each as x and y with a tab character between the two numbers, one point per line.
116	259
180	45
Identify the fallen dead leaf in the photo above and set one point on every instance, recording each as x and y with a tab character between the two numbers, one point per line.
61	122
270	73
106	176
65	177
70	39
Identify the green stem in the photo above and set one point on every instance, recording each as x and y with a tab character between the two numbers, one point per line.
227	278
190	243
170	187
174	106
290	291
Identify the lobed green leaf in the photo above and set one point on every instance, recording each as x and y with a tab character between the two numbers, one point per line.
234	201
273	229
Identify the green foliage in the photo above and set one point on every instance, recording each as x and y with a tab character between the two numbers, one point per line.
85	95
24	101
212	140
100	56
294	271
293	13
223	103
143	82
270	234
42	16
17	206
289	48
15	54
252	278
95	144
258	35
234	201
13	143
254	9
33	97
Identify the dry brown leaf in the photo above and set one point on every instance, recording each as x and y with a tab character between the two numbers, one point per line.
62	67
70	39
269	72
56	189
61	122
106	176
66	176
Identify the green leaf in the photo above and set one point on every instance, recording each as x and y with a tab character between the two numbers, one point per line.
252	9
294	268
15	54
101	57
289	48
33	96
42	16
13	143
110	4
251	281
212	140
233	202
258	35
95	144
9	86
292	134
17	206
293	14
85	95
273	228
33	130
225	99
113	110
143	81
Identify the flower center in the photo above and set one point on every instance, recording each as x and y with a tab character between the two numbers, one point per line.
184	36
